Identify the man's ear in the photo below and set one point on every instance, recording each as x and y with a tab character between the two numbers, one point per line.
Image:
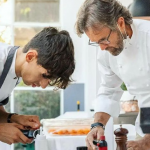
121	23
31	55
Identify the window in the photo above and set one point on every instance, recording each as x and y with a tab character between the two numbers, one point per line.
24	18
37	11
44	103
20	20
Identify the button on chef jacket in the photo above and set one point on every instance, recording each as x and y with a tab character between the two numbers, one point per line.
131	66
10	80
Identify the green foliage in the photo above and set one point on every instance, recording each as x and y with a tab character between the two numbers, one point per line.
25	11
45	104
123	87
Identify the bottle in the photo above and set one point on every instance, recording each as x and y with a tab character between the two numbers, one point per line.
102	144
78	105
41	141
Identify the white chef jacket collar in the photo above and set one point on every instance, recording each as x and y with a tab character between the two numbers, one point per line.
132	39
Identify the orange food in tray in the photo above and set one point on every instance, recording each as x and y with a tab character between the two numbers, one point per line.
73	132
51	130
69	131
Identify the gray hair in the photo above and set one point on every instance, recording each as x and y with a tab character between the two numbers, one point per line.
97	13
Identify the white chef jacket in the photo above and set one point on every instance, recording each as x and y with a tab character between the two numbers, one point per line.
10	80
131	66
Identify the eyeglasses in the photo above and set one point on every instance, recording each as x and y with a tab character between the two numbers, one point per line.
105	41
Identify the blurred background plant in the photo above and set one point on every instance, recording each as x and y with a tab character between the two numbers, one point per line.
123	87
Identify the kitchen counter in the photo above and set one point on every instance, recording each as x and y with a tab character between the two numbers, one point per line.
126	118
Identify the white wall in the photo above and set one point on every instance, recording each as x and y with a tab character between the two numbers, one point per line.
126	2
68	12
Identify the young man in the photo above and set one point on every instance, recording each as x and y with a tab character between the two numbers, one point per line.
124	57
48	59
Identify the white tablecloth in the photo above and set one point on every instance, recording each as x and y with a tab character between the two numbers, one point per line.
4	146
65	142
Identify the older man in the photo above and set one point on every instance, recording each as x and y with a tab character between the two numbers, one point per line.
124	57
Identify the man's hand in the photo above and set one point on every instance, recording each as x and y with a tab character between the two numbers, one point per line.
95	133
28	121
135	145
142	144
98	131
10	133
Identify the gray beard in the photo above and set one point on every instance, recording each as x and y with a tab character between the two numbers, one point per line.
116	51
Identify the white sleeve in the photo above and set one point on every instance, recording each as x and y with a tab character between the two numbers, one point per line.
109	93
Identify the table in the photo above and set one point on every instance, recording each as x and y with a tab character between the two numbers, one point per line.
4	146
71	142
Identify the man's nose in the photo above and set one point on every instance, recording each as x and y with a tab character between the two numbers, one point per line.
103	46
44	83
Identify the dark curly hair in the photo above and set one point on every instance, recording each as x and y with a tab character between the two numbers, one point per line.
55	54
